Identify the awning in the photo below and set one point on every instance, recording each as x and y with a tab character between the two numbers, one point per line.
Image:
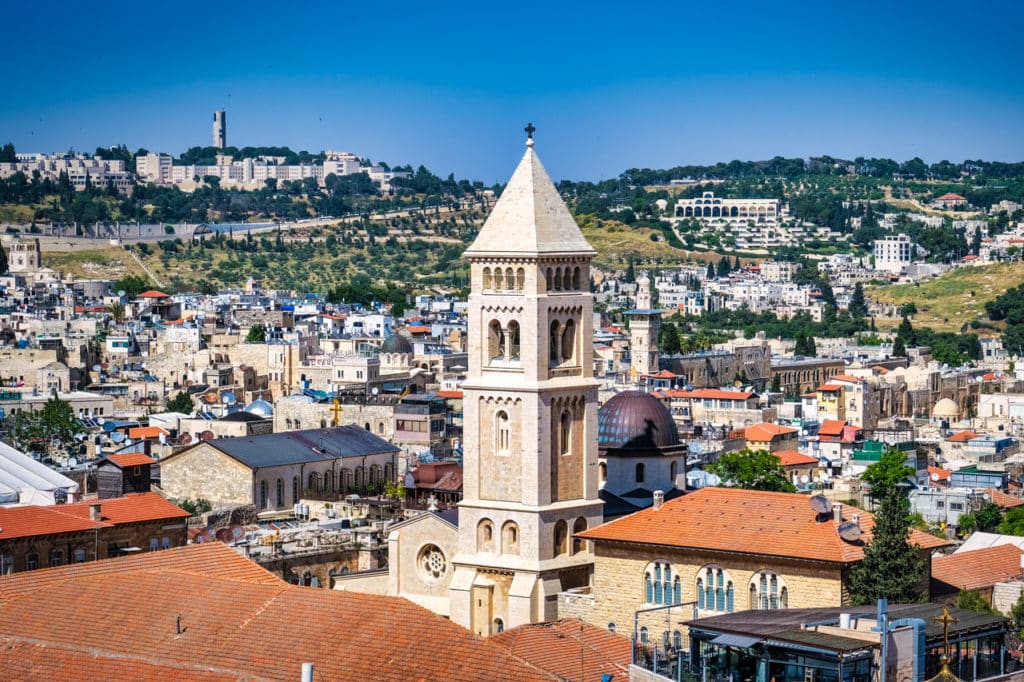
738	641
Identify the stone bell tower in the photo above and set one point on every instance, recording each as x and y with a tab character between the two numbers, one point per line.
644	329
530	411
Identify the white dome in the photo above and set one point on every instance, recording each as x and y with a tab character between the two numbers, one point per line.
260	407
946	408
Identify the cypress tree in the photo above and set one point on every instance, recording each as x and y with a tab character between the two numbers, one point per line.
899	349
892	567
711	270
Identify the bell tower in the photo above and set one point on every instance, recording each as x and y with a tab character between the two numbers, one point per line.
530	411
644	330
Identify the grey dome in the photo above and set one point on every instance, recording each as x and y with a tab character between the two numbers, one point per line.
396	343
634	419
260	407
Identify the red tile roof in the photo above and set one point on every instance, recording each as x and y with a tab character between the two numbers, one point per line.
962	436
715	394
830	387
141	432
129	508
766	431
569	649
449	394
847	378
789	458
1002	499
749	521
153	293
131	459
977	568
663	374
950	196
28	521
942	474
881	370
832	427
252	630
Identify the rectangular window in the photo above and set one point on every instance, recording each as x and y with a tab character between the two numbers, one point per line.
154	544
31	562
80	556
57	559
956	506
165	542
6	564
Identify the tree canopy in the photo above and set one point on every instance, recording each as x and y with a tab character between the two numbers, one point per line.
752	470
181	403
891	567
885	475
257	334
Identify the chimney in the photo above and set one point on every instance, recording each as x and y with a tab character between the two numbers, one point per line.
307	672
659	498
856	519
94	512
837	512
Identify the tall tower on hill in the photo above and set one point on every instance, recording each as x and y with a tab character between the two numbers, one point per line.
644	329
530	411
220	129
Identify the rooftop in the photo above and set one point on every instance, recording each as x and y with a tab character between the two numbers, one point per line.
975	569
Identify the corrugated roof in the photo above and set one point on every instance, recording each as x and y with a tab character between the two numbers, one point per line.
297	447
750	521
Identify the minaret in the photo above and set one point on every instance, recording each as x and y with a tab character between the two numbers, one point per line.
530	411
644	328
220	129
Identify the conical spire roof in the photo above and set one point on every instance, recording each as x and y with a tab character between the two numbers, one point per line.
530	218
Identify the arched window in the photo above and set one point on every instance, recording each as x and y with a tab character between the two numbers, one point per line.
499	280
510	538
549	280
673	468
360	479
502	431
611	627
329	482
661	584
768	592
495	342
640	471
564	431
567	279
560	538
578	543
715	590
558	279
576	279
520	279
645	637
345	480
485	536
677	640
499	626
389	472
602	472
555	341
263	494
487	283
295	489
280	492
569	341
313	484
375	475
510	279
513	341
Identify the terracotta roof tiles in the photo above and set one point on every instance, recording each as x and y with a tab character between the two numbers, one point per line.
962	436
568	648
789	458
977	568
766	431
832	427
131	459
755	522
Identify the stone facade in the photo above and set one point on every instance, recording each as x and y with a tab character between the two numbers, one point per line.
203	472
420	551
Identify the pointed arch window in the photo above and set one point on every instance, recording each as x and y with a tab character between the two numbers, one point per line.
641	470
503	432
569	341
513	341
499	279
495	342
520	279
564	432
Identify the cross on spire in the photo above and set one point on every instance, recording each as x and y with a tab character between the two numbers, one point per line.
530	130
946	619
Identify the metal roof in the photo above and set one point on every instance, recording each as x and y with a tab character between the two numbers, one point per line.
297	447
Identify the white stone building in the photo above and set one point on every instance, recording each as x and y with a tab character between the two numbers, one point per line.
894	253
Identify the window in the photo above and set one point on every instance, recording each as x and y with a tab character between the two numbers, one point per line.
673	469
487	283
611	627
644	635
579	544
513	341
495	342
499	626
569	342
662	585
6	564
768	592
602	472
165	542
640	470
564	429
560	538
154	544
503	435
295	489
485	536
79	555
263	494
280	493
715	590
510	538
32	562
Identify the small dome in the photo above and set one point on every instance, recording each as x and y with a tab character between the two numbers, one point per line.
946	408
396	343
634	419
260	407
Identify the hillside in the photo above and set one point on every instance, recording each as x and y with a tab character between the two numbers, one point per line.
949	302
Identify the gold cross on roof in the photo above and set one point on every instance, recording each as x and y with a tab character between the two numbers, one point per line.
946	621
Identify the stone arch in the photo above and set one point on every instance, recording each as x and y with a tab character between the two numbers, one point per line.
279	490
520	279
576	278
578	543
560	538
487	283
549	280
513	345
329	482
555	342
510	279
375	475
558	279
485	536
495	341
568	351
499	279
602	472
360	478
345	480
510	538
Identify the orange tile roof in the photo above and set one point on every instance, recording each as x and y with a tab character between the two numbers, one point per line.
247	629
962	436
131	459
943	474
153	293
750	521
830	387
28	521
716	394
881	370
766	431
832	427
789	458
129	508
417	329
848	378
663	374
141	432
569	649
977	568
448	394
950	196
1002	499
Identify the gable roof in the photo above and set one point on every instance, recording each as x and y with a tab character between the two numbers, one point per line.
766	431
297	447
529	218
977	568
790	458
1003	500
153	293
241	627
131	459
748	521
962	436
568	648
30	520
832	427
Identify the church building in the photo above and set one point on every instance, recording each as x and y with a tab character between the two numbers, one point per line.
530	411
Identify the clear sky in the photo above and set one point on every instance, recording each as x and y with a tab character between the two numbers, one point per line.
451	85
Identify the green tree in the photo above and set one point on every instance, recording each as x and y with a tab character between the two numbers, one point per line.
858	305
711	270
668	339
132	285
1013	522
752	470
51	428
116	311
1017	614
973	601
908	309
3	261
906	332
257	334
885	475
181	403
891	567
899	349
8	154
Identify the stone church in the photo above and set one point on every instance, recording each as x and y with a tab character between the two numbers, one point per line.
530	418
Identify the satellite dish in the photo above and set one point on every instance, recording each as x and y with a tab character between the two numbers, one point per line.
849	531
117	437
820	504
934	477
207	435
97	368
375	390
72	462
121	293
109	426
184	439
805	479
228	398
210	397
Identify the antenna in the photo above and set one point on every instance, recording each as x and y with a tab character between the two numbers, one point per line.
820	504
849	531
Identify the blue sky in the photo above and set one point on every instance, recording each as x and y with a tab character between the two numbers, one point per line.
451	85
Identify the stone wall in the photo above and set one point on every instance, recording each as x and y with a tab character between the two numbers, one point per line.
204	472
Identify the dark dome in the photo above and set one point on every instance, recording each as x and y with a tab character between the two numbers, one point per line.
634	419
396	343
